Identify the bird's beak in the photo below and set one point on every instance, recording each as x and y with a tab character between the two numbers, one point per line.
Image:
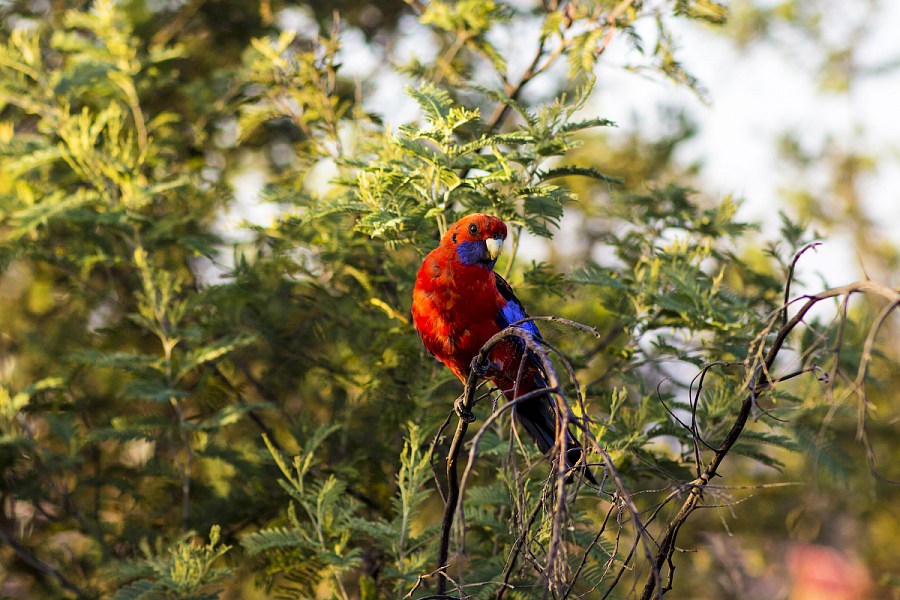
494	246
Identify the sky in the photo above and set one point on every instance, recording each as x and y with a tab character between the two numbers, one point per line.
757	94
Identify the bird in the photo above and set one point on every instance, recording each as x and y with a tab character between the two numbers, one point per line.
459	302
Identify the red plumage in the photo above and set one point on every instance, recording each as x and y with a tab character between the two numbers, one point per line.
459	302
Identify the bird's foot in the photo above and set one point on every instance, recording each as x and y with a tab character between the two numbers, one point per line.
464	412
483	367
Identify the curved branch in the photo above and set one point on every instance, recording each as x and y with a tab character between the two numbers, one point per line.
29	558
764	351
554	388
756	384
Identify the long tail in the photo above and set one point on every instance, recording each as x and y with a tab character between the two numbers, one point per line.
538	418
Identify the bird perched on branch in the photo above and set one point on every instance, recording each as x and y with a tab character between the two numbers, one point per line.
459	303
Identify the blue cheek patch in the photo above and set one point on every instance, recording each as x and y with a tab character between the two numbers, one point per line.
513	312
473	253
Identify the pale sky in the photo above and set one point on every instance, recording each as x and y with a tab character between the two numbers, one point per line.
758	94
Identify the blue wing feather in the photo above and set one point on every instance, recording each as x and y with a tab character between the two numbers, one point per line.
512	311
537	415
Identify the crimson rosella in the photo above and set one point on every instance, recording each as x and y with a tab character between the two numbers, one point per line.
459	302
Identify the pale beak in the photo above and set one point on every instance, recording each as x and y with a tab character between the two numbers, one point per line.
494	246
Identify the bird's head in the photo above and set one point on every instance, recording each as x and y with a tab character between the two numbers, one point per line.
477	239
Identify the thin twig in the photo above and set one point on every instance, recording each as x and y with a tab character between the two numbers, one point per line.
757	382
28	557
790	278
587	552
520	541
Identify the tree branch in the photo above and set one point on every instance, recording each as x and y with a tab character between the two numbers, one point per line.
755	385
26	556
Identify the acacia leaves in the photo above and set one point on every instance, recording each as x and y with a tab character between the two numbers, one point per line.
452	162
161	359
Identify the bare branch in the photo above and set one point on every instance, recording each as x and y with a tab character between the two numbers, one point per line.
758	382
28	557
657	553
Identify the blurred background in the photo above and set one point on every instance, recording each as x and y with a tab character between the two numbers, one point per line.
785	106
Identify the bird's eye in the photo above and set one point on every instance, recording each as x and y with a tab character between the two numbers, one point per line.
473	228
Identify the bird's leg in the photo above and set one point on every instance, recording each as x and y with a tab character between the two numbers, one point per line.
482	367
464	413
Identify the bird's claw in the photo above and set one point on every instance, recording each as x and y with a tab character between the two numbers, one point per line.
464	412
482	367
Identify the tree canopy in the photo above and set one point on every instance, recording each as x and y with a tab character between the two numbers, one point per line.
211	218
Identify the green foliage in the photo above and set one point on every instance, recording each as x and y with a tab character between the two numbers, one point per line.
421	174
323	538
322	541
287	82
184	571
159	366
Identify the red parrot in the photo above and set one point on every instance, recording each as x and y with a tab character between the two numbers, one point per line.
459	303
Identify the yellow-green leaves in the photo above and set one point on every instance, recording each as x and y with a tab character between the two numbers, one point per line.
296	81
468	18
706	10
184	570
